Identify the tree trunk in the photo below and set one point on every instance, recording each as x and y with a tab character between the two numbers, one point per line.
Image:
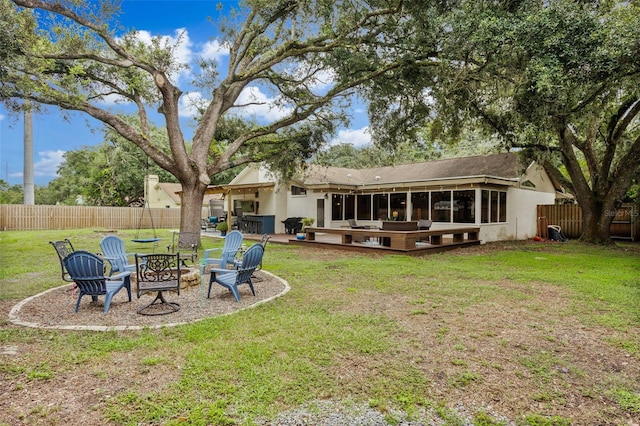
191	214
596	223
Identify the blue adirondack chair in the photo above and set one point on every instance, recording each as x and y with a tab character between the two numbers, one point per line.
231	279
113	250
87	271
232	244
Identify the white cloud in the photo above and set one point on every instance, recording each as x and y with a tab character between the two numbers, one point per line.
47	165
2	117
323	80
252	102
214	50
355	137
182	54
114	100
179	42
189	102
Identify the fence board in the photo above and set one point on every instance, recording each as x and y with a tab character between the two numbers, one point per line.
18	217
569	218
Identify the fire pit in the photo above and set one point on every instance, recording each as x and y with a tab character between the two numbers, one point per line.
189	277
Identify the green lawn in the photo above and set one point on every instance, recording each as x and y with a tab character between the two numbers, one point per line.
540	334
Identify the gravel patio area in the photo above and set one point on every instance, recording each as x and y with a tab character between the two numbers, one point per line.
54	308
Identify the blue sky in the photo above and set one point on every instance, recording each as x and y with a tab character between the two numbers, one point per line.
55	134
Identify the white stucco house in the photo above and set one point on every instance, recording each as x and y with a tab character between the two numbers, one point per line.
497	193
167	195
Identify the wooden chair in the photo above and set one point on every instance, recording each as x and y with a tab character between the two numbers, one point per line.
87	271
158	273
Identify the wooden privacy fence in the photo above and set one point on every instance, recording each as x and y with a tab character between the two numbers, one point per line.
18	217
569	217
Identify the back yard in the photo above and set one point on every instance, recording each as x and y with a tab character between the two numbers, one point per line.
515	333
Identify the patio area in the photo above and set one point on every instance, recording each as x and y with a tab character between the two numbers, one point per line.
429	242
54	308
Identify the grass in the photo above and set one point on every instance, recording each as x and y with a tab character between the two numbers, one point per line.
336	336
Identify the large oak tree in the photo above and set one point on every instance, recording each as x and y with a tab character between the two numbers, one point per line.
561	80
312	53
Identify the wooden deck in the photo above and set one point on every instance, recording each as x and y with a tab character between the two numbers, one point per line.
369	240
405	242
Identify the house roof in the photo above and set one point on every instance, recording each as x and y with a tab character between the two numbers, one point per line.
504	168
497	169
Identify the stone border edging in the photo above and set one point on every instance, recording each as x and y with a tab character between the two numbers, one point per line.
15	310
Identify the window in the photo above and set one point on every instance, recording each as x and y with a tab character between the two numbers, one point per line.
419	205
493	209
349	206
441	206
464	206
502	201
494	206
380	206
364	207
297	190
243	206
398	204
484	217
336	207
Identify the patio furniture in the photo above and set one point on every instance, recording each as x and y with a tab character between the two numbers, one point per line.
158	273
192	255
209	224
424	224
555	233
87	271
113	250
292	225
354	225
399	225
403	241
231	279
63	248
232	243
263	242
258	224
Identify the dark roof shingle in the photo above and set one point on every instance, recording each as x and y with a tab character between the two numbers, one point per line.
504	166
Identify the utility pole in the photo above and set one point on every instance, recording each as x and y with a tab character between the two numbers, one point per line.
27	175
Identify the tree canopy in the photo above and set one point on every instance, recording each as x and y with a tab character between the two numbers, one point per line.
557	80
312	54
